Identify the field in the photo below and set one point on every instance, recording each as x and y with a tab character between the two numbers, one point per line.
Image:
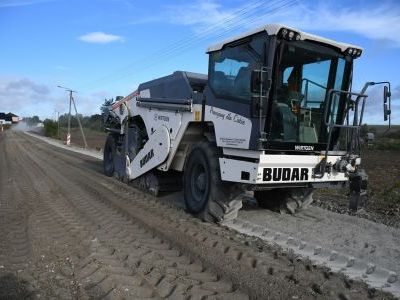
69	232
383	169
94	138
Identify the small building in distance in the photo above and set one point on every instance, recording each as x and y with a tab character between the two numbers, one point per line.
8	119
4	119
13	118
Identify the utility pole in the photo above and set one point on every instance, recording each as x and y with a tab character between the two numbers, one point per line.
79	122
72	101
69	119
58	124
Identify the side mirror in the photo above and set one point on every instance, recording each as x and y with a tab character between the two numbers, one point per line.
386	94
386	112
259	80
386	107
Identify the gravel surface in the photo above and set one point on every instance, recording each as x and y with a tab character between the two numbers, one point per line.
69	232
353	236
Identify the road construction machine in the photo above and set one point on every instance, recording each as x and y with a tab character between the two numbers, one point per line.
275	117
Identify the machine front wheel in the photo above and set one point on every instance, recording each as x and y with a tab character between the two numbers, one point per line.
206	195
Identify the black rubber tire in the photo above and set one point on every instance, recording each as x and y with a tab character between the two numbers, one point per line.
108	156
206	195
285	200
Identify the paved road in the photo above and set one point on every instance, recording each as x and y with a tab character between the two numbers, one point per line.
69	232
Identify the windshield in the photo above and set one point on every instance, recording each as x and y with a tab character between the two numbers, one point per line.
305	73
230	69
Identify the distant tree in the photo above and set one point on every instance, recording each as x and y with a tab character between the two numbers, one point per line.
96	122
74	121
104	106
50	128
35	120
31	121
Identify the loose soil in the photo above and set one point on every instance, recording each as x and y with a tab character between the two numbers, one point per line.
383	206
69	232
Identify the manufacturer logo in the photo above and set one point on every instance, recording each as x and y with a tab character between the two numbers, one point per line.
285	174
303	148
161	118
146	158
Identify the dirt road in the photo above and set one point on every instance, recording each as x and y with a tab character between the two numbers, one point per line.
69	232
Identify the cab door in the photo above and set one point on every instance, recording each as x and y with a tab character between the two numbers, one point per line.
228	95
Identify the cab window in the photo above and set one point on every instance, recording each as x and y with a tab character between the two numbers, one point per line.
230	70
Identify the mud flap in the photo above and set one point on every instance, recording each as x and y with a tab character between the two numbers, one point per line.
154	153
358	190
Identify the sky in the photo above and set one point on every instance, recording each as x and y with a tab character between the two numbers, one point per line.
105	48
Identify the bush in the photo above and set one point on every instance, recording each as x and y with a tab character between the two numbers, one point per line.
387	144
393	134
50	128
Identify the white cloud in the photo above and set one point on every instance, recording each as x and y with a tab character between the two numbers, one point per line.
25	97
100	38
209	13
381	22
207	17
378	21
13	3
396	93
23	86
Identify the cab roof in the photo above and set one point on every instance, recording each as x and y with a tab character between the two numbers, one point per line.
273	29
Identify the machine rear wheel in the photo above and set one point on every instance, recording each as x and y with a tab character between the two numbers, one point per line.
206	195
108	156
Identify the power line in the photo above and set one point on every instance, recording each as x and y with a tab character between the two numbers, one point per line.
230	24
181	49
170	48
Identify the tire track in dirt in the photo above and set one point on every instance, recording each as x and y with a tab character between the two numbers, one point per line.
259	273
158	265
15	204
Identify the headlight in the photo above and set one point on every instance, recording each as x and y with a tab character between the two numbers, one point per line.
289	35
353	52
